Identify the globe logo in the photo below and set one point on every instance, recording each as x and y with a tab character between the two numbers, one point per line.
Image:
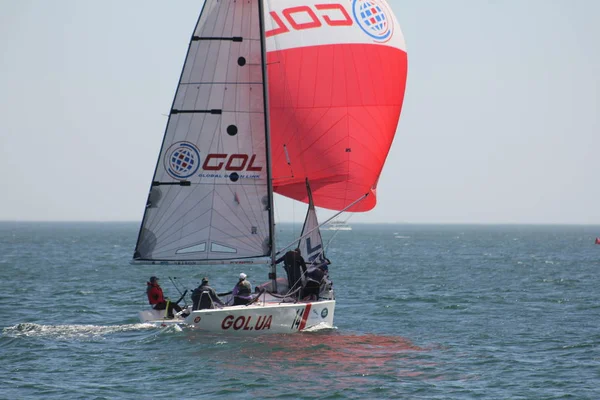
373	18
182	160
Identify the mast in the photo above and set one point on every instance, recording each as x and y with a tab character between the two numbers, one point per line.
273	273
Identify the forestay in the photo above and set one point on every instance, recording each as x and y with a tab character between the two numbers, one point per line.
210	194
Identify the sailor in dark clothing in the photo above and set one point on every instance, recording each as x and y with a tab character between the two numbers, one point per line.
294	266
316	274
324	264
314	279
204	296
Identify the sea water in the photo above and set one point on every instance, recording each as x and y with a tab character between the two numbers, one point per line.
423	312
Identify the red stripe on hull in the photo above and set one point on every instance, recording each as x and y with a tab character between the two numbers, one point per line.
305	316
336	109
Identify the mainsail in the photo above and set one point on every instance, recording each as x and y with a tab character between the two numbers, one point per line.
337	74
211	192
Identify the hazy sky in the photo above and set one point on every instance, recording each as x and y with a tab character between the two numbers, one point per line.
500	120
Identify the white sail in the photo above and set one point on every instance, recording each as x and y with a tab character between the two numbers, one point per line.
210	195
311	243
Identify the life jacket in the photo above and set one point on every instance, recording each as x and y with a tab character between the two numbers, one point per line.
155	293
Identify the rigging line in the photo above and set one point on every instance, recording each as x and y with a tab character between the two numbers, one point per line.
329	242
323	223
293	217
182	294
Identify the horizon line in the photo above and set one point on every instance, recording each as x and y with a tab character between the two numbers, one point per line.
353	223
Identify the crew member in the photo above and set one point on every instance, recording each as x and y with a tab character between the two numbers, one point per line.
242	291
157	300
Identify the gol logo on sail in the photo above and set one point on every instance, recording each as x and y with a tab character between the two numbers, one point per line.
372	16
182	160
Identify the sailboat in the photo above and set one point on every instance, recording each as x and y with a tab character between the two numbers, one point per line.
296	98
339	226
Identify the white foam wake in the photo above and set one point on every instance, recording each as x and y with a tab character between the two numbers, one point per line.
319	327
70	331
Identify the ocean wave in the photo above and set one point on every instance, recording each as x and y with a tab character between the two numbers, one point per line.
319	328
70	331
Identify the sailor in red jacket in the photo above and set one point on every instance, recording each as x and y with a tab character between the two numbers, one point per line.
156	297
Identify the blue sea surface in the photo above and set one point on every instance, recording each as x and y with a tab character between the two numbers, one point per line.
423	312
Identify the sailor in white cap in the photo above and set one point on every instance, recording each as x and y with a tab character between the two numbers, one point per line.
242	291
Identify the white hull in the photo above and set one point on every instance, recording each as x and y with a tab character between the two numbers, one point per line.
258	318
